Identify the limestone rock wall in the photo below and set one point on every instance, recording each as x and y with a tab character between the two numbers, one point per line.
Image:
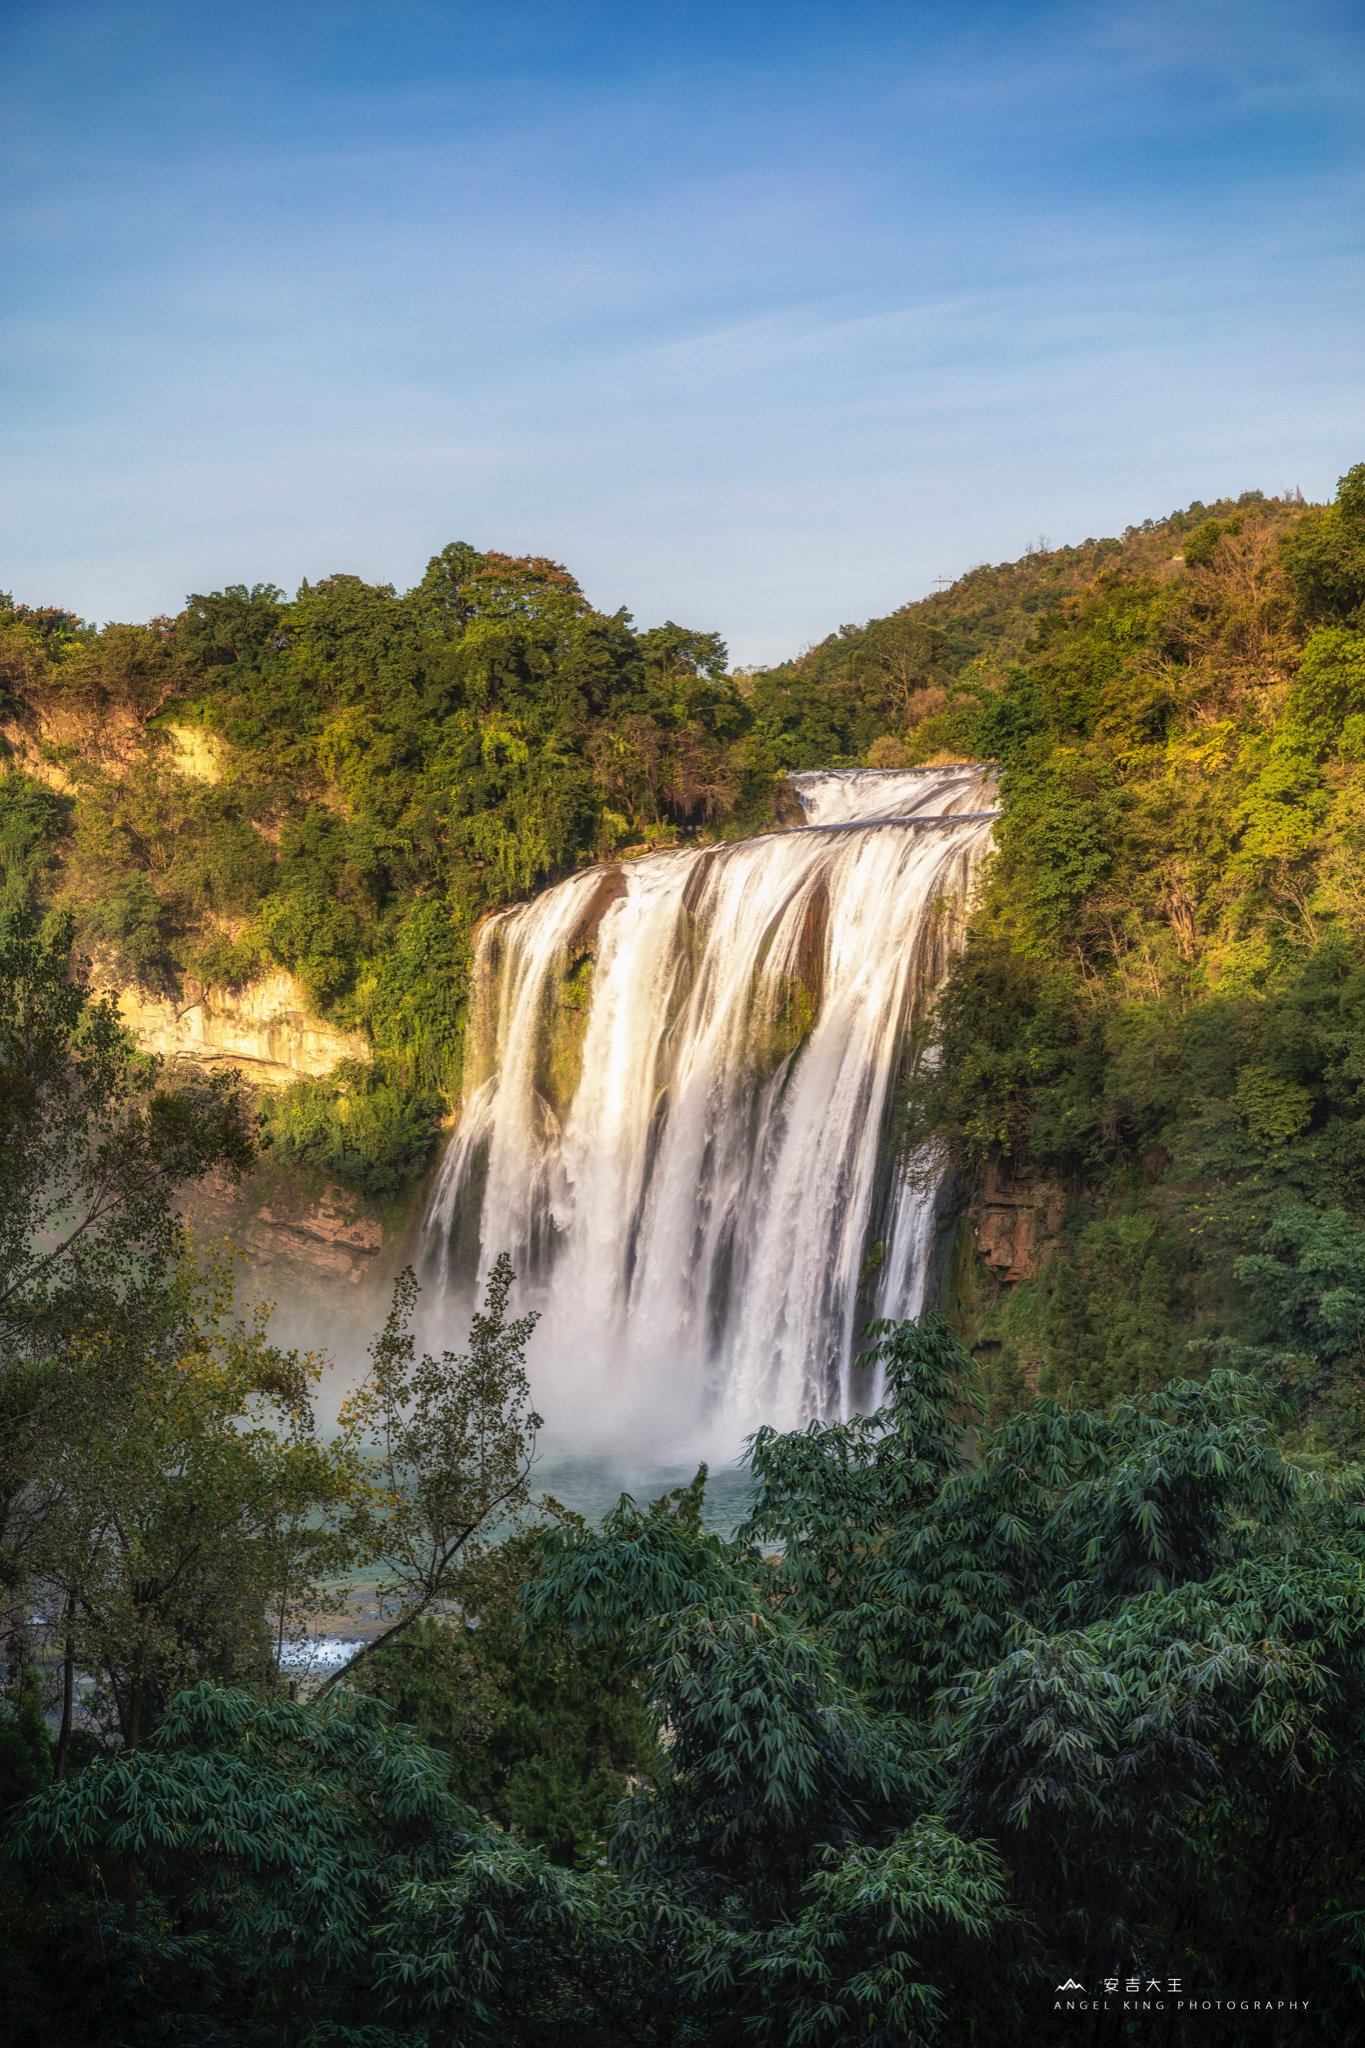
300	1233
264	1029
196	752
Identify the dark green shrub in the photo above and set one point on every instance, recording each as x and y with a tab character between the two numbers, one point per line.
356	1125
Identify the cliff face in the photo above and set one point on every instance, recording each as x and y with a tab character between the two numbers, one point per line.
264	1030
305	1234
1016	1224
302	1231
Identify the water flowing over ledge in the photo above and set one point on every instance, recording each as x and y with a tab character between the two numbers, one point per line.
680	1077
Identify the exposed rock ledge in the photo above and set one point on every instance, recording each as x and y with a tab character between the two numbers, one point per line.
329	1237
1016	1225
264	1029
299	1236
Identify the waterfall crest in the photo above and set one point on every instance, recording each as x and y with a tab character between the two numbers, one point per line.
679	1076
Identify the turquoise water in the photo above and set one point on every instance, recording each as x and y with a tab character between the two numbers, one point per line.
592	1486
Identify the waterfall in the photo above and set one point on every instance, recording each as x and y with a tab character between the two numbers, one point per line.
680	1074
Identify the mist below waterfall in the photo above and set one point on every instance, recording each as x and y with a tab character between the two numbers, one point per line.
678	1115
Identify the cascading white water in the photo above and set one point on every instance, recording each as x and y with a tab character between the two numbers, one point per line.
679	1076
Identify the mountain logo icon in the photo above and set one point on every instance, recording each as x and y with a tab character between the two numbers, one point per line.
1071	1985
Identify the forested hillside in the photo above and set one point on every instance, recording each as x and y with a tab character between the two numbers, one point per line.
337	786
1154	1044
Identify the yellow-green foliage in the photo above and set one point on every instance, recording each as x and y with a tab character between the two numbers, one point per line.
783	1011
340	784
562	1059
357	1126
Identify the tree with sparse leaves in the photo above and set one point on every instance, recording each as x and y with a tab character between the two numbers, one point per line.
452	1441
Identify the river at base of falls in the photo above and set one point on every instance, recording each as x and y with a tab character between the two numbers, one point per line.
678	1117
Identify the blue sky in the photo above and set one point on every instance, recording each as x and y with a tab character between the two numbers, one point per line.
761	317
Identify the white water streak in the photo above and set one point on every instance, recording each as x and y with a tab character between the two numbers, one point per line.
695	1223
